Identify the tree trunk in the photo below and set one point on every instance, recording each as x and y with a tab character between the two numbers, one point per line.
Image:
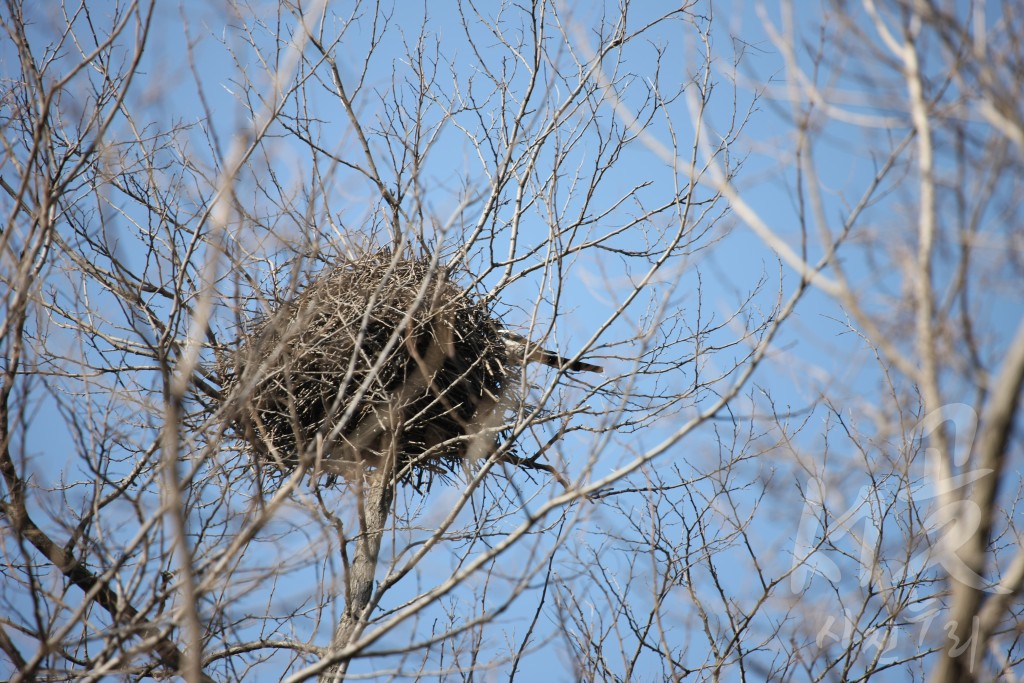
377	493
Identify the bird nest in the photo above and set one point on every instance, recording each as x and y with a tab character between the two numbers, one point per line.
379	362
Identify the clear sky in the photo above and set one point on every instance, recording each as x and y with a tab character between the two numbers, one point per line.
207	68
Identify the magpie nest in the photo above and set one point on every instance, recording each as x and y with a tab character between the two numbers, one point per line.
379	362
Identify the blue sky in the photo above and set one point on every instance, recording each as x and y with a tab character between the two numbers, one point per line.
815	355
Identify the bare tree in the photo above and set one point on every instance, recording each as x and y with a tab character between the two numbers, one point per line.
764	439
902	160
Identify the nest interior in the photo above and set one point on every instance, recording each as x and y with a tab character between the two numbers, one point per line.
379	360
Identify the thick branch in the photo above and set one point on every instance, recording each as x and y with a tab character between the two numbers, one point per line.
377	493
94	587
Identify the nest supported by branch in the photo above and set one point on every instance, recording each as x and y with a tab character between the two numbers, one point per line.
379	362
